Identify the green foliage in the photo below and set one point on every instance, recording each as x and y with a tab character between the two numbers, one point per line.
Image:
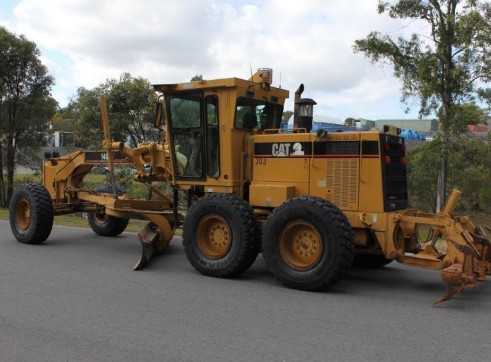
26	106
130	101
62	123
464	115
422	169
185	111
469	172
28	179
132	106
197	77
444	68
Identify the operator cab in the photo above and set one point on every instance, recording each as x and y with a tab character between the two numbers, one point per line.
195	129
207	121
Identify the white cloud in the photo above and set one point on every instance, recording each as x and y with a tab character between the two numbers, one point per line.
171	41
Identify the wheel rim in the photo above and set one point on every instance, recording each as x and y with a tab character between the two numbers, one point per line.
23	214
100	218
301	245
214	237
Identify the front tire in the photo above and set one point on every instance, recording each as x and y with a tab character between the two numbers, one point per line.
221	235
31	214
106	225
308	243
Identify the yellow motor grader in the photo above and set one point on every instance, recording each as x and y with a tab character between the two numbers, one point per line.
312	203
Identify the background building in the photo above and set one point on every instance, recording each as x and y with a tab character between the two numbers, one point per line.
420	125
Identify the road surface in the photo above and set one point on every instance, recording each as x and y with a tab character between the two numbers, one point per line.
76	298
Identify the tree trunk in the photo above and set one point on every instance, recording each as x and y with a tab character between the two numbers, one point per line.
11	147
2	179
441	189
447	38
3	200
442	184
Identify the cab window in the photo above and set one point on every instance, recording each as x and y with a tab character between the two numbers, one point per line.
260	114
187	134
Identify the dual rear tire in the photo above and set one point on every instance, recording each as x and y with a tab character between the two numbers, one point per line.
307	242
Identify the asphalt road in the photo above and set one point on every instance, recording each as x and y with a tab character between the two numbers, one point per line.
76	298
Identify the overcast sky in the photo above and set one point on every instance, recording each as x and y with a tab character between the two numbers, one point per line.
85	42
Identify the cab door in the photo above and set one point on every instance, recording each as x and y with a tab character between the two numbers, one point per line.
186	133
194	134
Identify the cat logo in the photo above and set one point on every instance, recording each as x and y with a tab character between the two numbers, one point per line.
283	150
297	150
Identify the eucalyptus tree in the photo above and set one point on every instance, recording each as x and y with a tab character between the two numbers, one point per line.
447	67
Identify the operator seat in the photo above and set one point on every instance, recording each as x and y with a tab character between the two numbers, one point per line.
249	121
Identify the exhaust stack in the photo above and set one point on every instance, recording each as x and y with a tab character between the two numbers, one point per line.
303	111
298	94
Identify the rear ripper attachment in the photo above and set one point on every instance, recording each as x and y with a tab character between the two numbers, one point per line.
451	244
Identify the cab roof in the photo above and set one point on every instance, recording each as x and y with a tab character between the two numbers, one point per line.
217	83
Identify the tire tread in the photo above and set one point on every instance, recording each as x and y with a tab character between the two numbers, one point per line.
251	234
41	211
345	240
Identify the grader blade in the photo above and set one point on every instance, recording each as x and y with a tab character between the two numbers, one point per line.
152	243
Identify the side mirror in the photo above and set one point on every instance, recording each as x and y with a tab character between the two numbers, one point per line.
157	122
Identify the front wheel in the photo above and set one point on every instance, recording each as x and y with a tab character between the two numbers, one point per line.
221	235
308	243
31	214
106	225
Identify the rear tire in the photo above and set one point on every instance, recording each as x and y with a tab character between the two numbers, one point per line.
31	214
106	225
308	243
221	235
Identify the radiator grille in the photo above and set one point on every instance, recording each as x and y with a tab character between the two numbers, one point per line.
342	182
